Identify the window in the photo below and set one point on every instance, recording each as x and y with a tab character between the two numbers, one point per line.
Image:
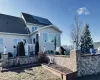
16	41
1	41
34	40
51	37
57	38
34	28
45	37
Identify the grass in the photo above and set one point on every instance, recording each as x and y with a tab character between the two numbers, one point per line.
34	73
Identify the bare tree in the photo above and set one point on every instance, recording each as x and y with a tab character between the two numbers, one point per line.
75	32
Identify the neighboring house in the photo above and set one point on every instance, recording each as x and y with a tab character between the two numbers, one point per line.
97	45
28	28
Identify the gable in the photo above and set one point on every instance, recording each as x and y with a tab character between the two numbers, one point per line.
36	20
51	28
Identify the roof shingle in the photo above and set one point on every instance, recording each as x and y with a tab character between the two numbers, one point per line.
12	24
36	20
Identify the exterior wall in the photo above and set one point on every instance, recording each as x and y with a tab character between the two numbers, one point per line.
18	60
68	61
8	41
88	64
48	45
32	25
32	37
83	64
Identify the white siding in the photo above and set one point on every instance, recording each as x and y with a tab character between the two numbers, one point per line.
32	25
8	41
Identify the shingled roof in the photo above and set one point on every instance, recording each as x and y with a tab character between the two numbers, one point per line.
36	20
11	24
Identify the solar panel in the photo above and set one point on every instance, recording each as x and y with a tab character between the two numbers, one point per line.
42	20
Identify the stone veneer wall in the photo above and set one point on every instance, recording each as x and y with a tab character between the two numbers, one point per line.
21	60
88	64
68	61
84	64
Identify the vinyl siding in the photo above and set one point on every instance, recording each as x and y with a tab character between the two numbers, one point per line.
8	41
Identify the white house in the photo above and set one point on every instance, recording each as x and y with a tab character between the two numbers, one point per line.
29	28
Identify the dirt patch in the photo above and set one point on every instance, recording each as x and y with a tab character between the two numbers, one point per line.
60	68
34	73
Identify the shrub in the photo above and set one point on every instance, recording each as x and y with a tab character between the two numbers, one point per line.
55	43
0	55
36	48
20	49
10	54
42	58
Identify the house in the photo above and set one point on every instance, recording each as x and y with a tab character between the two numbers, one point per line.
29	28
97	46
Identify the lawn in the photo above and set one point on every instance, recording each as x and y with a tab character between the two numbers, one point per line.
34	73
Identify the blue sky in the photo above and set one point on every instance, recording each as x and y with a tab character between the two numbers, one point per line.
60	12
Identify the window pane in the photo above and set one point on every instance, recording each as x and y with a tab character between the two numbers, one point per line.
33	28
51	37
1	41
15	41
45	37
57	37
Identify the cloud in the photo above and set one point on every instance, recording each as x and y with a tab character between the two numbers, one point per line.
82	10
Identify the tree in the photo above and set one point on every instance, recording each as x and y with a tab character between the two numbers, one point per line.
55	43
76	32
86	40
36	48
20	49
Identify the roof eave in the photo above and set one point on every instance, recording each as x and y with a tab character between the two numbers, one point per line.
14	34
53	26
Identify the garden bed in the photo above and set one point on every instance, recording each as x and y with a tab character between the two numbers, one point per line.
62	72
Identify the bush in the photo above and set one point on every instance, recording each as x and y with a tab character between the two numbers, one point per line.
36	48
0	55
42	58
20	49
10	54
